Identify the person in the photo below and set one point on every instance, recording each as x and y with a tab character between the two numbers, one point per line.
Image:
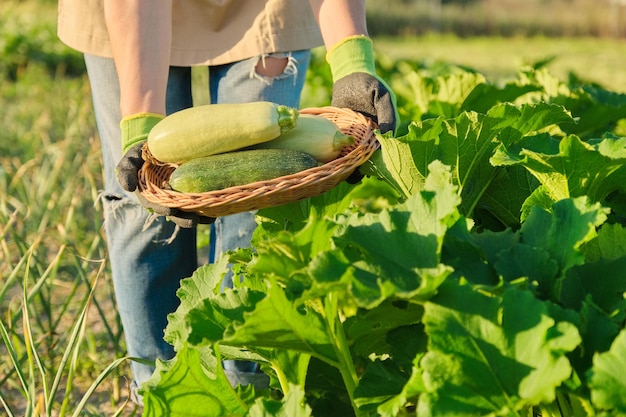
139	55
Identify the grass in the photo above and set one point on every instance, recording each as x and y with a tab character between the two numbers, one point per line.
60	330
62	345
56	300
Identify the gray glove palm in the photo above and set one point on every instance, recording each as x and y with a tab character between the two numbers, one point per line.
367	95
357	86
128	177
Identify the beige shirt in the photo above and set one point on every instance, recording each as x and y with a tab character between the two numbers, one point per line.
204	32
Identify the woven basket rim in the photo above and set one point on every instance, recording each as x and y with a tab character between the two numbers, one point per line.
253	196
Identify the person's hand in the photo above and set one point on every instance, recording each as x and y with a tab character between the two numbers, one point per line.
128	167
357	86
181	218
135	131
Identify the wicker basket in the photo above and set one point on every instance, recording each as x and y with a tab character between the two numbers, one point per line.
154	176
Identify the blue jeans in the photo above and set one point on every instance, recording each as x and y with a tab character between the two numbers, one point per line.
148	259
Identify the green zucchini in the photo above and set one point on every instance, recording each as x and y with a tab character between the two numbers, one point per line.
315	135
236	168
216	128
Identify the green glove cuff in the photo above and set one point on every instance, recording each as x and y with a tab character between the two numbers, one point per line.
135	128
353	54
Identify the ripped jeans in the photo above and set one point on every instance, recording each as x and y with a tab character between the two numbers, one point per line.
148	260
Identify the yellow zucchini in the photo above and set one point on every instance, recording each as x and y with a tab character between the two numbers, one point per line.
216	128
315	135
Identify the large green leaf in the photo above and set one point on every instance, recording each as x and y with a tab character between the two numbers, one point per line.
279	323
552	242
203	284
601	281
208	321
596	110
467	144
470	259
188	388
571	223
592	169
205	311
394	163
295	215
440	94
607	378
368	330
397	251
505	196
491	355
446	94
609	244
407	397
285	252
383	381
546	247
598	330
485	96
389	386
369	254
292	405
527	119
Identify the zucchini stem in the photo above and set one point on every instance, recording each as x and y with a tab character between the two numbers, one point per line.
341	140
287	117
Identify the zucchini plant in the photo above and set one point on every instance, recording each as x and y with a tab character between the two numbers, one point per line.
477	270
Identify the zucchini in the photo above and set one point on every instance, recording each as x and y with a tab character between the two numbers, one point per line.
215	128
235	168
315	135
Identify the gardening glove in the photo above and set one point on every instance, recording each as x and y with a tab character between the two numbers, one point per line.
135	131
181	218
356	84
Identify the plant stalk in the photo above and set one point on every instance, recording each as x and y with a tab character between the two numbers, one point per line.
342	350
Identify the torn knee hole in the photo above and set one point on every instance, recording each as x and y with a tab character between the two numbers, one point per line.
271	66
